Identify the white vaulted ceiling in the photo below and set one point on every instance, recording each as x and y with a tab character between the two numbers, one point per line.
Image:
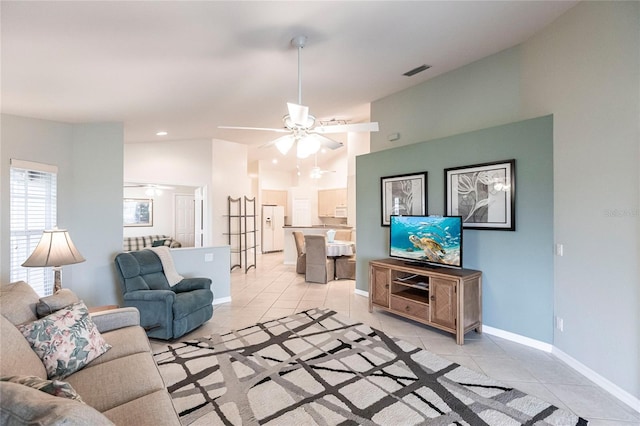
189	66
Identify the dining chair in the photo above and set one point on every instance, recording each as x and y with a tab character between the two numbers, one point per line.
301	261
319	269
343	235
346	267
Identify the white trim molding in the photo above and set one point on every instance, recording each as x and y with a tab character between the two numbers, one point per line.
605	384
221	300
527	341
361	293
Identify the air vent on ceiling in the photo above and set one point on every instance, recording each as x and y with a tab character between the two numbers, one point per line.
417	70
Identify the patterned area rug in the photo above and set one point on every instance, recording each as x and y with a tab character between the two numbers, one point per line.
320	368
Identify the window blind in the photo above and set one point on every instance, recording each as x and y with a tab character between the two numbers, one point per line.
33	190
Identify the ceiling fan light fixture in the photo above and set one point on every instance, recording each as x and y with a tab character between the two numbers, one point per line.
284	144
307	145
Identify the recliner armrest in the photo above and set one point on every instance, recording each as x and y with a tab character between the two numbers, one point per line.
116	318
189	284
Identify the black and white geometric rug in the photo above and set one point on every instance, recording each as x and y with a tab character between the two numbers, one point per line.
321	368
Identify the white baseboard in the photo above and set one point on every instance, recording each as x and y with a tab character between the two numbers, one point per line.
361	293
221	300
605	384
527	341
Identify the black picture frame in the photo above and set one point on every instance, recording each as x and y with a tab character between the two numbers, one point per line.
403	194
483	194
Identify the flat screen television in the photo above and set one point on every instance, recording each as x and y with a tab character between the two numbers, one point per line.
430	240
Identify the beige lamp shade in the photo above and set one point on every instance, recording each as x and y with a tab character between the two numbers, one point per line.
54	249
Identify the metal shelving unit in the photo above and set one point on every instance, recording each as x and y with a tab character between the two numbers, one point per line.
242	232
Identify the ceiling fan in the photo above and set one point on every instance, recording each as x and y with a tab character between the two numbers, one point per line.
151	189
317	172
300	126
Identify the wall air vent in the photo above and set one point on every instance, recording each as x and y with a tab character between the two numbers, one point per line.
417	70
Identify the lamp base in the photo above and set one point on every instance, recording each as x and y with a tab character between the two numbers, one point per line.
57	283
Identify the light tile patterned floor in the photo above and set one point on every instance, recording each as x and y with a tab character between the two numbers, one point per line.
274	290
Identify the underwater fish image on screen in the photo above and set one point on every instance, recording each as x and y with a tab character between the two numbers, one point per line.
432	239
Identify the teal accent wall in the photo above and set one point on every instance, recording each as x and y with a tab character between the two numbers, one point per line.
517	266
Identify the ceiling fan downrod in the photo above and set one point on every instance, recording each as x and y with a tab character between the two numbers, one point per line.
299	42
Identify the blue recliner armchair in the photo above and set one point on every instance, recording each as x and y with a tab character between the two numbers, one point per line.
165	312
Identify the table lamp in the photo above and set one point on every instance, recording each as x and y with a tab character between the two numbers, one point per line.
54	249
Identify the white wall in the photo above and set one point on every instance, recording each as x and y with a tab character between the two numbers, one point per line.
163	210
585	70
173	162
219	165
89	160
228	178
210	262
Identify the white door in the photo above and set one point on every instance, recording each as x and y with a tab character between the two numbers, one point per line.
185	219
301	212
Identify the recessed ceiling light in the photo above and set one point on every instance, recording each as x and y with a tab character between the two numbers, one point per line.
274	161
162	133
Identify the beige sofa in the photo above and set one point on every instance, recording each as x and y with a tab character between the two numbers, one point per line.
122	386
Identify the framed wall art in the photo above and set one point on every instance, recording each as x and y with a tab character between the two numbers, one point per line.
483	194
138	212
404	195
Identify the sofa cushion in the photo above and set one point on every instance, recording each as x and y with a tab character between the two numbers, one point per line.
65	341
110	384
124	342
52	387
18	302
61	299
22	405
16	356
153	409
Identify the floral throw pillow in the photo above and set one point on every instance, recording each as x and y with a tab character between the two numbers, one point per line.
65	341
52	387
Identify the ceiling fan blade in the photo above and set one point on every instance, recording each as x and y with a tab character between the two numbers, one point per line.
328	142
268	129
299	114
345	128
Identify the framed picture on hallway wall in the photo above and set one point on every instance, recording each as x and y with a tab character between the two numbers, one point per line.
138	212
483	194
403	195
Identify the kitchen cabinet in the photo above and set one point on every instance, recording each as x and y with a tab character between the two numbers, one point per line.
274	197
329	199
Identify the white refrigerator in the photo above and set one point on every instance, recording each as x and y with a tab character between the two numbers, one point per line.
272	228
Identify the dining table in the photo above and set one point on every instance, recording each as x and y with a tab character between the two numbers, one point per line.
338	248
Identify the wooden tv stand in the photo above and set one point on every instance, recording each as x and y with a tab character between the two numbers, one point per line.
445	298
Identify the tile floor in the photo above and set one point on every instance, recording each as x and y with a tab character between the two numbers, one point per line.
274	290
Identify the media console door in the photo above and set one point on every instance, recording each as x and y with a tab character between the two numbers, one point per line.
443	302
379	283
448	299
